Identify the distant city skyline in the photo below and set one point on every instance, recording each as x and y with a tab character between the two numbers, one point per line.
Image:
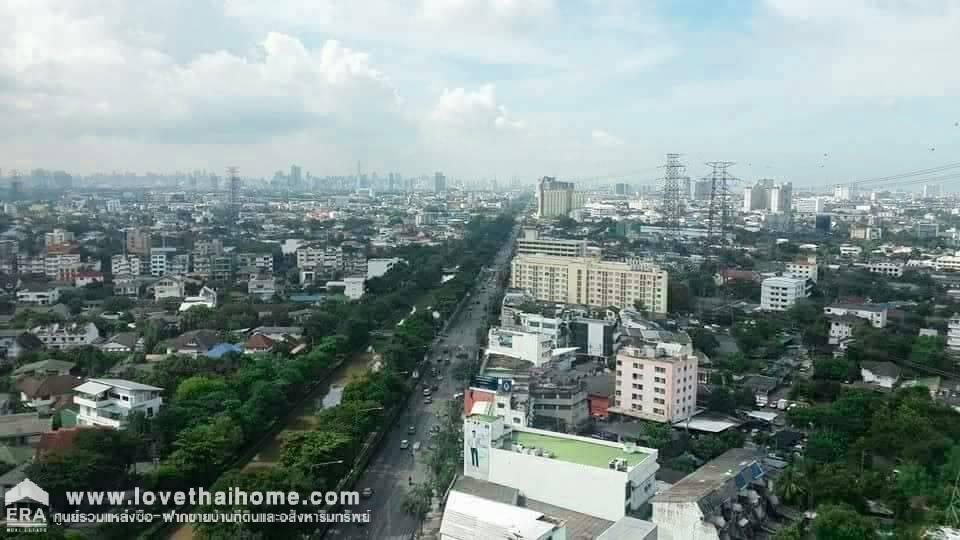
810	92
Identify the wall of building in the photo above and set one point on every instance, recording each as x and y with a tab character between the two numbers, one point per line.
682	521
599	492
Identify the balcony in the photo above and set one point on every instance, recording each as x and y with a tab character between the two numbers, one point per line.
93	403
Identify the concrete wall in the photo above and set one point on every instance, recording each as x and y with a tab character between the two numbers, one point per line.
590	490
682	521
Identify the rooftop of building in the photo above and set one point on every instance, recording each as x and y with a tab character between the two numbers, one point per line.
713	478
578	450
859	307
578	525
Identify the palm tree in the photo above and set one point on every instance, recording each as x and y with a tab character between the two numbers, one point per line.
793	485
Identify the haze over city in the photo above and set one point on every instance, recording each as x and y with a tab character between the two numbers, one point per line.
814	92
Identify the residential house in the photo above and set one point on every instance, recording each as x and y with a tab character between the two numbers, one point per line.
781	293
875	314
258	343
206	298
23	429
761	386
196	342
169	287
262	286
67	336
38	295
82	279
279	333
44	368
124	342
882	374
600	389
110	402
48	392
842	326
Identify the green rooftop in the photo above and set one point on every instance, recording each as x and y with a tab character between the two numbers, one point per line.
577	451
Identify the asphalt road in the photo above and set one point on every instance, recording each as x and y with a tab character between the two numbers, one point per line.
392	468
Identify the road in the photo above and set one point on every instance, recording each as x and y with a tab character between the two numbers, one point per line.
392	468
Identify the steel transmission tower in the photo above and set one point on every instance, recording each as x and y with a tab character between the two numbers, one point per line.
234	187
719	217
672	199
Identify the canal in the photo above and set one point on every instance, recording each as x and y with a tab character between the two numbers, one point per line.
304	418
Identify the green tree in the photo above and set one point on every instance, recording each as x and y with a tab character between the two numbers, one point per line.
198	385
316	453
418	501
839	522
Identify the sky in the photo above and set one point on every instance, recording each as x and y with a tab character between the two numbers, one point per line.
810	91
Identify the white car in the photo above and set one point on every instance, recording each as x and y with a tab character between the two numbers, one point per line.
404	444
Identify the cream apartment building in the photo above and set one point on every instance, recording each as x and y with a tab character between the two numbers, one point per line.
591	281
656	382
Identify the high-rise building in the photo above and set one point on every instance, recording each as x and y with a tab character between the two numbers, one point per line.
439	183
656	379
138	241
931	191
769	196
809	205
823	223
591	281
843	193
701	190
621	189
781	293
557	199
296	176
531	243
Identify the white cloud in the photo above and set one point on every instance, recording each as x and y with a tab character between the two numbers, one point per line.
472	110
605	139
70	75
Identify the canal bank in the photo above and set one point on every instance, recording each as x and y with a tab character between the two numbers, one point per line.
266	453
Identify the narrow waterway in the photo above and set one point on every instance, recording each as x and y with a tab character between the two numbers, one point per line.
304	418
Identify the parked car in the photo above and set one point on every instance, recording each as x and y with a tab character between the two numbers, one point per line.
366	492
427	400
404	444
411	430
426	392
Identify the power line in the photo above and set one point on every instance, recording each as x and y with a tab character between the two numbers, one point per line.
672	202
718	220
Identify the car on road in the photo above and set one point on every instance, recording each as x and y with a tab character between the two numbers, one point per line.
411	430
366	492
416	446
439	378
427	400
426	392
404	444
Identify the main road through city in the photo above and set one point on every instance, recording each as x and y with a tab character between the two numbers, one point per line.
393	467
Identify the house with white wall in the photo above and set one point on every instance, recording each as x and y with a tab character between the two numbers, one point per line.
110	402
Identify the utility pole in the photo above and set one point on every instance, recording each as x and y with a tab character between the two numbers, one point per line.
671	198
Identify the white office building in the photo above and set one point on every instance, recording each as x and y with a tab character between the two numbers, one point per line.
809	205
953	333
110	402
379	267
530	346
608	477
780	293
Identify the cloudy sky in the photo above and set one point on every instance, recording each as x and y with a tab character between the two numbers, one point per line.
814	91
